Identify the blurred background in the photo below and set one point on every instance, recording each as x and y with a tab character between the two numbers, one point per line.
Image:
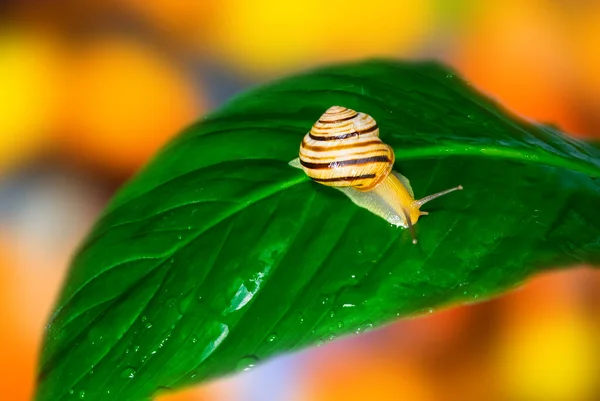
89	91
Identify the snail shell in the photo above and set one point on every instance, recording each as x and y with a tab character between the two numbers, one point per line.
343	149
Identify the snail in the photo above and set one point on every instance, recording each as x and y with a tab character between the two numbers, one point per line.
343	150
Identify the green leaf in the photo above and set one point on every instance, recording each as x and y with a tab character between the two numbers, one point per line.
219	255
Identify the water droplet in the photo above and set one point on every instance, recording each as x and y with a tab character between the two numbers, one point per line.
95	335
331	337
301	318
144	318
241	298
194	339
332	314
171	302
136	348
128	373
365	327
449	76
247	363
71	391
340	324
348	306
272	338
82	394
149	325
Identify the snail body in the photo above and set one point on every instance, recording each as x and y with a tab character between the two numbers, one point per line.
343	150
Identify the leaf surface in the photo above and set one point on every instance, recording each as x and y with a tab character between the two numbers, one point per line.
219	255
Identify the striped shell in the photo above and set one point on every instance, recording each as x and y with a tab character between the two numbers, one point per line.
343	149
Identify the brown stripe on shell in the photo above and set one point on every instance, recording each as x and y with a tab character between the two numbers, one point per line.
343	163
338	128
332	138
333	158
341	120
341	146
334	153
339	179
368	130
342	136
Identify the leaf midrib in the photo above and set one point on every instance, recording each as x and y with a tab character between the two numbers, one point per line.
497	152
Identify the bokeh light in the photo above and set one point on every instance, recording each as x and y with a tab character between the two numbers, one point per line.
30	78
126	100
266	37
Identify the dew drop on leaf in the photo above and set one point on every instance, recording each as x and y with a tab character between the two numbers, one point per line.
128	373
325	300
247	363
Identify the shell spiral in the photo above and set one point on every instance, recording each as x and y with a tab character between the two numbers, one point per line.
343	149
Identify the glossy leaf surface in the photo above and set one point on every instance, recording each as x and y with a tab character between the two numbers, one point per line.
219	255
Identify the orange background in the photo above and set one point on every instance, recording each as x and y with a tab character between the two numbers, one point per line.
90	90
